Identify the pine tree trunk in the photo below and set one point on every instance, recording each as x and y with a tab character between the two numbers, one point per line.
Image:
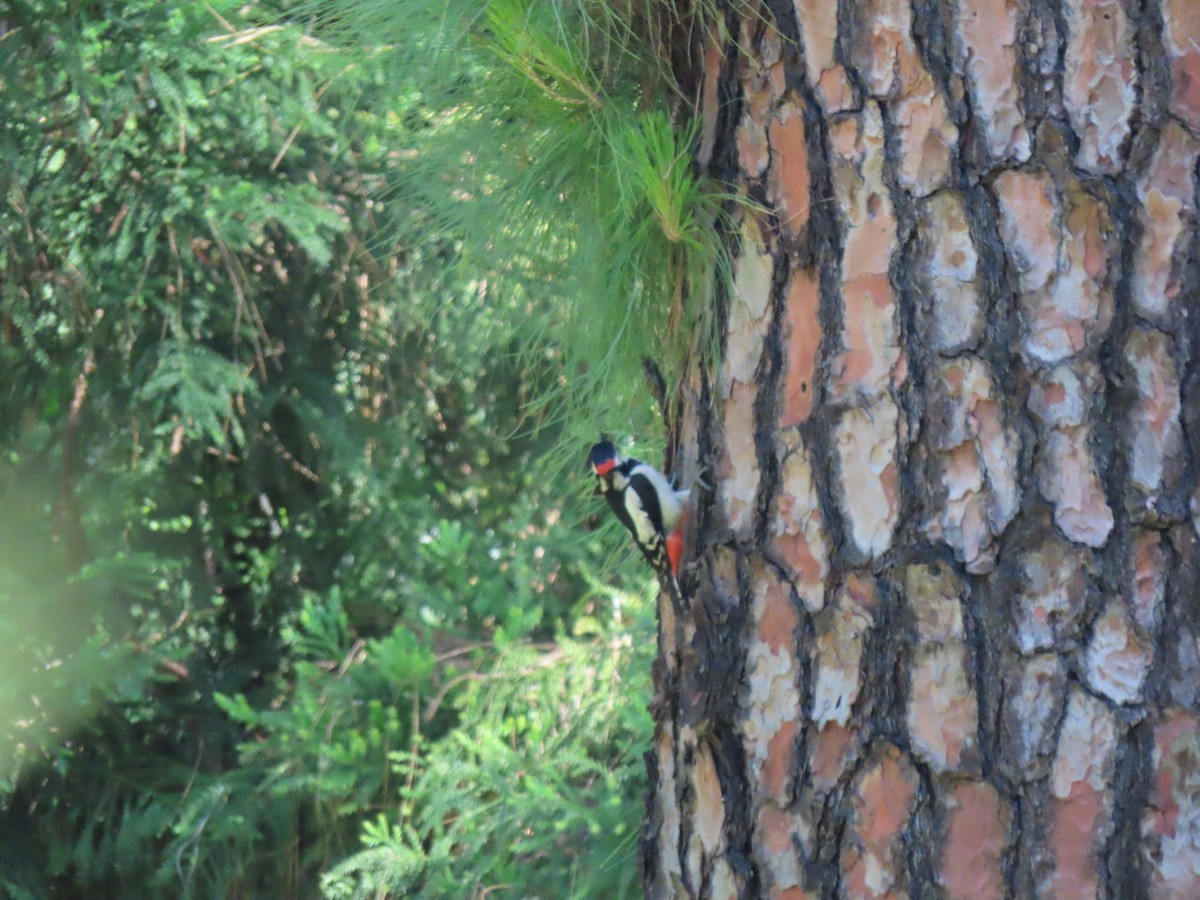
941	622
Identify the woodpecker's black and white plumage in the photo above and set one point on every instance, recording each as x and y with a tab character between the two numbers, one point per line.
645	503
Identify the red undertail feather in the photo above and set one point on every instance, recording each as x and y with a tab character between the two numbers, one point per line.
675	549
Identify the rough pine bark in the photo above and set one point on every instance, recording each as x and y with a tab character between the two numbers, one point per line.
940	634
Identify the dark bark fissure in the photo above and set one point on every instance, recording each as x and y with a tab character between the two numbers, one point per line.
1041	39
767	402
652	824
825	241
1178	680
1153	71
835	821
730	659
1125	869
922	837
805	640
1187	329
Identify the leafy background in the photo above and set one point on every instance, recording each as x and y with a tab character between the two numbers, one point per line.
308	313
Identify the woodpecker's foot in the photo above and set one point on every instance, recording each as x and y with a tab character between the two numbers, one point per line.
699	479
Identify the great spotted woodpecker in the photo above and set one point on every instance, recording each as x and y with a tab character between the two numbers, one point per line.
645	503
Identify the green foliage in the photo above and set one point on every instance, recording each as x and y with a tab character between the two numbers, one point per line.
289	319
197	387
538	791
545	142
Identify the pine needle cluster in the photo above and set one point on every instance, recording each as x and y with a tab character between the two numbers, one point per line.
552	137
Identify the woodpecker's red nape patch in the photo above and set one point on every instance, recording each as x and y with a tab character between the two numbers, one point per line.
603	468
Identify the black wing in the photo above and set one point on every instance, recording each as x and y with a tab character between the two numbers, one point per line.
638	510
648	501
616	502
